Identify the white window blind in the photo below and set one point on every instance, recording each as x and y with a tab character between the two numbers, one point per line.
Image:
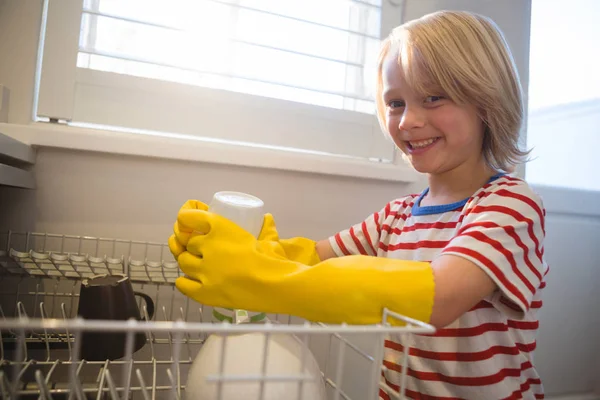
564	94
298	73
312	51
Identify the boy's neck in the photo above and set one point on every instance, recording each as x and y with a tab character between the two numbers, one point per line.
457	184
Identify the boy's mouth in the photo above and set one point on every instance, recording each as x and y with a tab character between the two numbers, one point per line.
421	144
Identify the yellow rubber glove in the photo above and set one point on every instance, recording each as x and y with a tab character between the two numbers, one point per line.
227	267
298	249
182	234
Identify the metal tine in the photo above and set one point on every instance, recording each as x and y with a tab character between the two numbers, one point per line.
78	388
46	340
391	392
35	299
187	308
173	289
114	245
128	356
154	378
74	373
27	239
21	312
42	385
222	366
80	245
263	368
377	370
142	384
403	374
339	371
51	371
326	369
54	296
111	385
75	282
168	333
146	252
8	240
150	334
3	389
24	369
156	299
4	318
202	335
187	335
173	391
176	388
64	315
303	359
100	380
127	260
21	347
17	295
146	269
18	358
348	343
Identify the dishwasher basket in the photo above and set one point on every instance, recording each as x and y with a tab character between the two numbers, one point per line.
40	276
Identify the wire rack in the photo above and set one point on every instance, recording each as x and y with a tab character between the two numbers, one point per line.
40	346
78	257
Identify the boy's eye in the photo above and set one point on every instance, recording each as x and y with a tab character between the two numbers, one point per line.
433	99
395	104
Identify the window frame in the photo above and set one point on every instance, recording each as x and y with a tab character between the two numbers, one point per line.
66	93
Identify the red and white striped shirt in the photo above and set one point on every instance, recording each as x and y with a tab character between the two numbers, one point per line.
487	353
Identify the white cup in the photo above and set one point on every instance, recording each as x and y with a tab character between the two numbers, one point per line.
245	210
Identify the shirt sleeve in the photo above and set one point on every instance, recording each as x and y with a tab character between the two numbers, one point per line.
503	233
362	238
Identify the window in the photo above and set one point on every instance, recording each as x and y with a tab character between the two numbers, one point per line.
297	74
564	94
262	47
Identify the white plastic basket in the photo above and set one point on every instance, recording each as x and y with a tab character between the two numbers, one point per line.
39	350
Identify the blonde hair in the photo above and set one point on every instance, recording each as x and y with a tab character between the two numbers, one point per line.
465	57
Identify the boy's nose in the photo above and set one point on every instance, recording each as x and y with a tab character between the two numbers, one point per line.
412	118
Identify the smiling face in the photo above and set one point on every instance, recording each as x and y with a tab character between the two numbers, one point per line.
436	134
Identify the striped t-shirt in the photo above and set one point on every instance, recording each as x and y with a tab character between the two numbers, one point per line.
487	353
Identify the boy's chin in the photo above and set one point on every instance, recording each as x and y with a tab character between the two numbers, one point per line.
420	167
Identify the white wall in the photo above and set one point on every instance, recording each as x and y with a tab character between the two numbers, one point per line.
137	198
554	161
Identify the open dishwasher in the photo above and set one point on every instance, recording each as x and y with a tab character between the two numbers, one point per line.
41	348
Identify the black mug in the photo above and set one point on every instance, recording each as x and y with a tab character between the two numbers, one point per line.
109	297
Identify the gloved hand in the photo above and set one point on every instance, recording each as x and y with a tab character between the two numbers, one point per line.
226	266
182	233
298	249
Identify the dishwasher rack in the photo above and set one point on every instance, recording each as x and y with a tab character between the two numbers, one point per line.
40	277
